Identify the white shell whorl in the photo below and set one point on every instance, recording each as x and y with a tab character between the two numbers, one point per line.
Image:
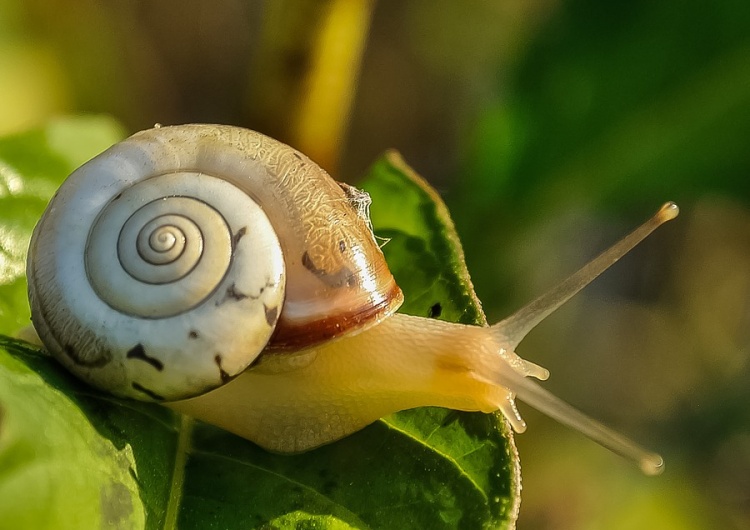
153	277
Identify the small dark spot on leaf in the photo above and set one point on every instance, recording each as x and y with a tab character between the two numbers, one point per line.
138	352
150	393
329	487
272	315
193	334
435	311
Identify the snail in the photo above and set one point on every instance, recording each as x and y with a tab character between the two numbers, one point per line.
224	274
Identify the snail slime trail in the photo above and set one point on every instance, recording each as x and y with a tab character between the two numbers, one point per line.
226	275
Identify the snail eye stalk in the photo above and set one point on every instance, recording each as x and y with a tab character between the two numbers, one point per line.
512	330
519	324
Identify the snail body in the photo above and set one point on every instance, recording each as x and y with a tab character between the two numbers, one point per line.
226	275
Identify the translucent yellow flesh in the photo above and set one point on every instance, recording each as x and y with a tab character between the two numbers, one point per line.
402	363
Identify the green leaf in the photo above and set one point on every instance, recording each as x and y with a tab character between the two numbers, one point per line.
32	167
41	459
420	243
71	457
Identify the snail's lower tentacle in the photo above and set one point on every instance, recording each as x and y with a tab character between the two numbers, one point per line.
533	394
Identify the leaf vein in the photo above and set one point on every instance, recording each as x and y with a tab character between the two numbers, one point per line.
184	443
361	524
440	453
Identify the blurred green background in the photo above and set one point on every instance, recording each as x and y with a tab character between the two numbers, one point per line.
551	128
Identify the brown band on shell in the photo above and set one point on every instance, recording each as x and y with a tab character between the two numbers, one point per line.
295	335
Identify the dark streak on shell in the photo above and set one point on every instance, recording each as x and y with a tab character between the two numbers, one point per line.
193	334
139	352
239	235
272	314
98	360
343	278
225	377
232	294
150	393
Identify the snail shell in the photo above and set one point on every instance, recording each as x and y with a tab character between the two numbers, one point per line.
164	266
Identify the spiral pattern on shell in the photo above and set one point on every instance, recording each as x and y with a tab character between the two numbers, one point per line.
159	285
178	246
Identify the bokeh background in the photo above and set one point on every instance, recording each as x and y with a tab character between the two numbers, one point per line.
550	127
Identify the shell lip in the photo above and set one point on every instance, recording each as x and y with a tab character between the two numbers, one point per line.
295	335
